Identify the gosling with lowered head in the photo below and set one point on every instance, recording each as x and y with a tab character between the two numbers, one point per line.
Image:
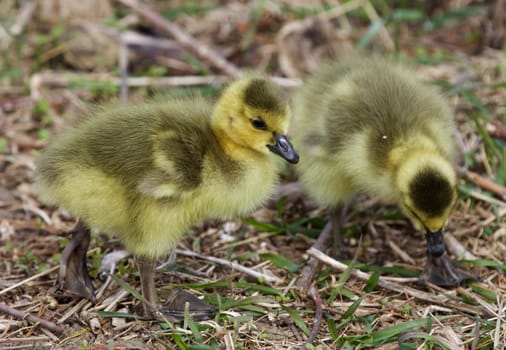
368	125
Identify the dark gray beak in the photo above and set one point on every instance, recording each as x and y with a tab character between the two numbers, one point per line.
435	243
284	149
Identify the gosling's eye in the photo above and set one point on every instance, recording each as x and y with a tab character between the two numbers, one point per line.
259	124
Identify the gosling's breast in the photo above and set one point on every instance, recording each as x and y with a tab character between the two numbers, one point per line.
239	192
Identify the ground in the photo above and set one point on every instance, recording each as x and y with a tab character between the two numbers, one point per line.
55	67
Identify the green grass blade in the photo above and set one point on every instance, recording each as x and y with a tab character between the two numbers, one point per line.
201	347
401	15
476	102
392	333
263	226
484	292
248	37
371	33
353	307
372	282
421	335
179	341
129	289
12	73
387	270
225	284
333	331
387	335
489	142
486	263
297	320
193	326
347	273
280	261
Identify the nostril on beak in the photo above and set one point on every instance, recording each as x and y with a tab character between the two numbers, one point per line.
284	145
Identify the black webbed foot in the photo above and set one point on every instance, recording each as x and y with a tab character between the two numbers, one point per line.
174	307
443	271
73	272
439	268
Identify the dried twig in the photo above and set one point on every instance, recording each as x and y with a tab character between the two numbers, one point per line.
487	184
73	310
191	44
476	337
111	305
232	265
41	213
123	69
456	248
420	295
496	129
343	20
29	279
256	238
63	80
370	12
492	309
401	253
229	341
485	198
33	319
25	15
23	340
500	323
497	216
374	17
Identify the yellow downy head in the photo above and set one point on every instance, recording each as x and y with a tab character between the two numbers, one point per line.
251	118
427	183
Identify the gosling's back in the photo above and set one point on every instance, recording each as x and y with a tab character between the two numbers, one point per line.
351	114
149	172
119	141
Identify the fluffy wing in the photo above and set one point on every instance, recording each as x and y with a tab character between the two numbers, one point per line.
178	162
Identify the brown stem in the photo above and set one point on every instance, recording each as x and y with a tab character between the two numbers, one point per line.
33	319
497	129
317	317
199	49
487	184
308	272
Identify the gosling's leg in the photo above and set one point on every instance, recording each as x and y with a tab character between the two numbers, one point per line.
146	270
337	218
73	272
440	269
175	306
